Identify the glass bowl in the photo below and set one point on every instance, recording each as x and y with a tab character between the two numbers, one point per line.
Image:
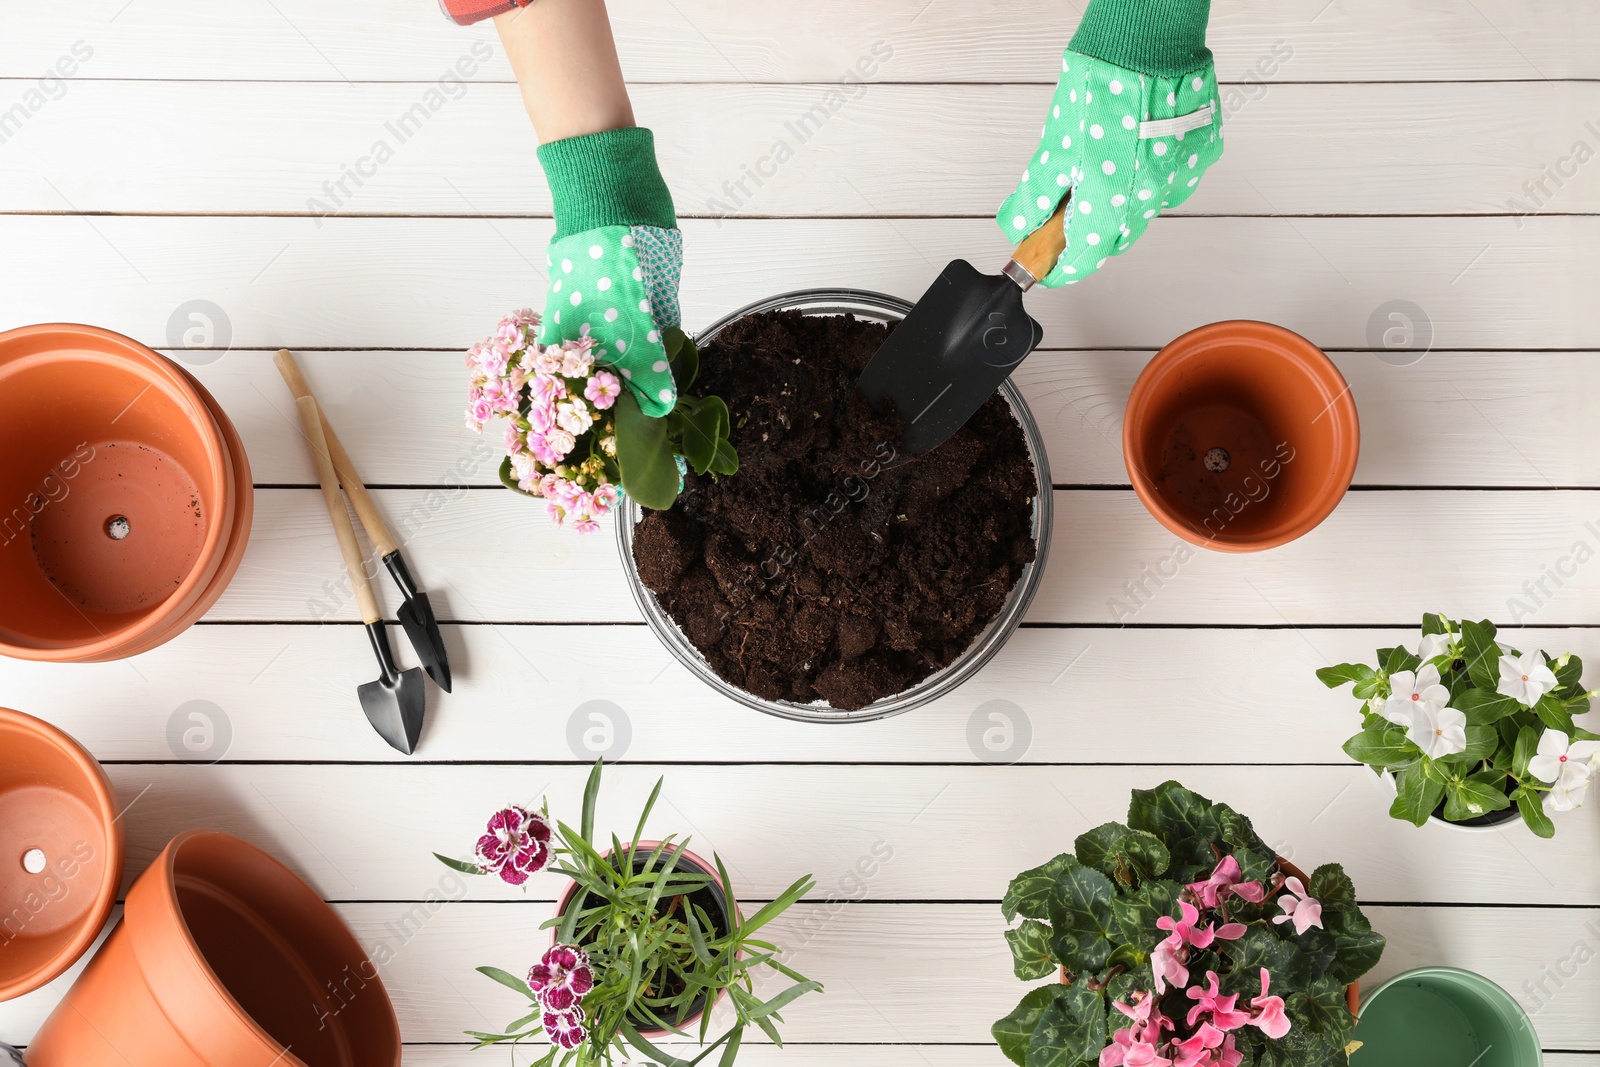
875	307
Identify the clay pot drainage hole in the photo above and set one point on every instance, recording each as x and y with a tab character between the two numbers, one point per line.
117	527
33	861
1217	460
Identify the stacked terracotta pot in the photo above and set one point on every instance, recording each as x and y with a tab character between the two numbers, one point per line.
125	499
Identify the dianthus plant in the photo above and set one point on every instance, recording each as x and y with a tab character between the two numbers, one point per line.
575	434
635	946
1180	939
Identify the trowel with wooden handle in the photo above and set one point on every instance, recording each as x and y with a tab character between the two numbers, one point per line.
961	340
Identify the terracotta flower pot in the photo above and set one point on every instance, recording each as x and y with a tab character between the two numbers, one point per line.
223	958
726	907
119	501
1240	436
61	851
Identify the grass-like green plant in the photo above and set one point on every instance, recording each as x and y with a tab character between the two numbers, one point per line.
636	946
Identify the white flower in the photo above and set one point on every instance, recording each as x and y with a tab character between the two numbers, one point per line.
1409	692
1525	679
1558	756
1567	792
1434	645
1437	731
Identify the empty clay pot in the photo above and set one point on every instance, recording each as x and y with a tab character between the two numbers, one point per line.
61	852
223	958
119	501
1240	436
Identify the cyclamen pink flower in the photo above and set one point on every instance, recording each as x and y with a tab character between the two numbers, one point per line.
1269	1017
1299	906
1167	967
1219	1007
1195	1051
1124	1051
565	1028
603	389
516	845
1225	880
561	978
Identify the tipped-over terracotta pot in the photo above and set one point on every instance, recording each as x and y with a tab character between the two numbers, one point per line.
223	958
61	852
1240	436
121	500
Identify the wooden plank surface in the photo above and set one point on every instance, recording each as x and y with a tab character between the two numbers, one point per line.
729	40
1486	418
282	692
888	968
440	283
328	147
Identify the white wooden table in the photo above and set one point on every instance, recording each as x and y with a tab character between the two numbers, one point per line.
1373	149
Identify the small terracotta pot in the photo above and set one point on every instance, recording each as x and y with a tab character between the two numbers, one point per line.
1352	992
687	861
1240	436
223	958
118	502
61	852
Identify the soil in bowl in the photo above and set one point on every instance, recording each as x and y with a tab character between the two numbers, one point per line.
819	572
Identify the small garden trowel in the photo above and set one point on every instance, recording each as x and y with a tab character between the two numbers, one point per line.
961	340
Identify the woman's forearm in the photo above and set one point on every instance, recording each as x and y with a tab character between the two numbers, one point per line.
565	60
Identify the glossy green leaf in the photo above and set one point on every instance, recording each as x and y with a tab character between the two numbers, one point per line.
1531	805
1029	893
1484	707
1030	950
1382	745
1482	654
1418	794
649	472
1014	1033
1119	851
1071	1031
1080	918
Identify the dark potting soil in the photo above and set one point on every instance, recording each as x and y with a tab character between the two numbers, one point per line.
817	572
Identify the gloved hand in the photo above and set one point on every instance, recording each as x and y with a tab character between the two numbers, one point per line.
615	258
1134	123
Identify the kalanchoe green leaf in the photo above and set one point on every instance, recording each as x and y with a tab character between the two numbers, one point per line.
683	357
649	472
1030	950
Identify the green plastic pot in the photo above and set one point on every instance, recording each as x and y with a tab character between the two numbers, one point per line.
1443	1017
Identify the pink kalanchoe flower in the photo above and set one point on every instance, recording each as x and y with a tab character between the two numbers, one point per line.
565	1028
494	358
546	360
560	442
479	412
516	845
1219	1007
539	446
585	523
547	388
1225	880
577	356
1269	1017
573	416
547	484
501	397
542	415
561	978
516	441
524	317
509	333
605	498
603	389
557	513
1298	906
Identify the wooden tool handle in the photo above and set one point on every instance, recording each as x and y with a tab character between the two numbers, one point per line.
354	563
378	532
1037	253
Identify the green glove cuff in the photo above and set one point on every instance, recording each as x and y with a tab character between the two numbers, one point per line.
607	179
1164	38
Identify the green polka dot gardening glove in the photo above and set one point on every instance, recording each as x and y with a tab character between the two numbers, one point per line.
1133	126
615	259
